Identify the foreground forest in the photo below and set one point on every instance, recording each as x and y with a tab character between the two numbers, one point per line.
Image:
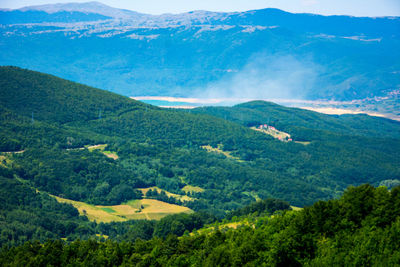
362	228
81	144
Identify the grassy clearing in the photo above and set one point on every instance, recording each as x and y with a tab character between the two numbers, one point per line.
96	147
4	161
296	208
13	152
155	209
109	210
149	209
306	143
222	225
176	196
253	195
6	158
220	150
102	236
282	136
191	189
94	213
102	147
274	133
111	155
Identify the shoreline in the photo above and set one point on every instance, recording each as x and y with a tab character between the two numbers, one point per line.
329	107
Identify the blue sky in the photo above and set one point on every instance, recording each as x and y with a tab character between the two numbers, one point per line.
325	7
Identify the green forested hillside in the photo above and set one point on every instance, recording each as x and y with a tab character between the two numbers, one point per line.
47	124
300	122
27	214
362	228
52	99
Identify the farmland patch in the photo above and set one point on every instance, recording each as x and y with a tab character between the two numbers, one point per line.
145	209
219	150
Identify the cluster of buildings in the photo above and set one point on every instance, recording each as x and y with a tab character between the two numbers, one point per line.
285	137
266	127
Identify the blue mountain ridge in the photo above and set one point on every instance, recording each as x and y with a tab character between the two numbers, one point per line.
266	53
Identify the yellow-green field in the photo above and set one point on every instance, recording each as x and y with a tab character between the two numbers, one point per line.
6	157
252	194
4	161
13	152
220	150
111	155
176	196
149	209
306	143
282	136
94	213
274	133
155	209
221	226
99	147
102	148
191	189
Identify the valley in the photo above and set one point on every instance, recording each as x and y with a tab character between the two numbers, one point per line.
190	55
138	171
386	106
205	138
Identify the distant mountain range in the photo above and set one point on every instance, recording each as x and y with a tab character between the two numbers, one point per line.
259	54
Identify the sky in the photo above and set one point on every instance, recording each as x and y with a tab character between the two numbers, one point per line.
371	8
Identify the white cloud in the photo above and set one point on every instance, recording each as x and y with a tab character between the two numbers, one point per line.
266	77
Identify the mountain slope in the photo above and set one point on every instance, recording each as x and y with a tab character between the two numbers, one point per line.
340	152
88	8
221	165
295	120
260	54
52	99
360	228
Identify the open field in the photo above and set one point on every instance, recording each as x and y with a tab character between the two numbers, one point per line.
176	196
190	188
220	150
102	148
155	209
149	209
99	147
252	194
282	136
274	133
4	161
221	226
111	155
13	152
94	213
306	143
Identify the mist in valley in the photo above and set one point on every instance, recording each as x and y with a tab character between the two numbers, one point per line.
265	77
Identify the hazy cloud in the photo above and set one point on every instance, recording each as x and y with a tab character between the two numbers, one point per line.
266	77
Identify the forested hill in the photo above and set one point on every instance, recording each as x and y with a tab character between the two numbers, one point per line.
362	228
52	99
48	124
296	120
